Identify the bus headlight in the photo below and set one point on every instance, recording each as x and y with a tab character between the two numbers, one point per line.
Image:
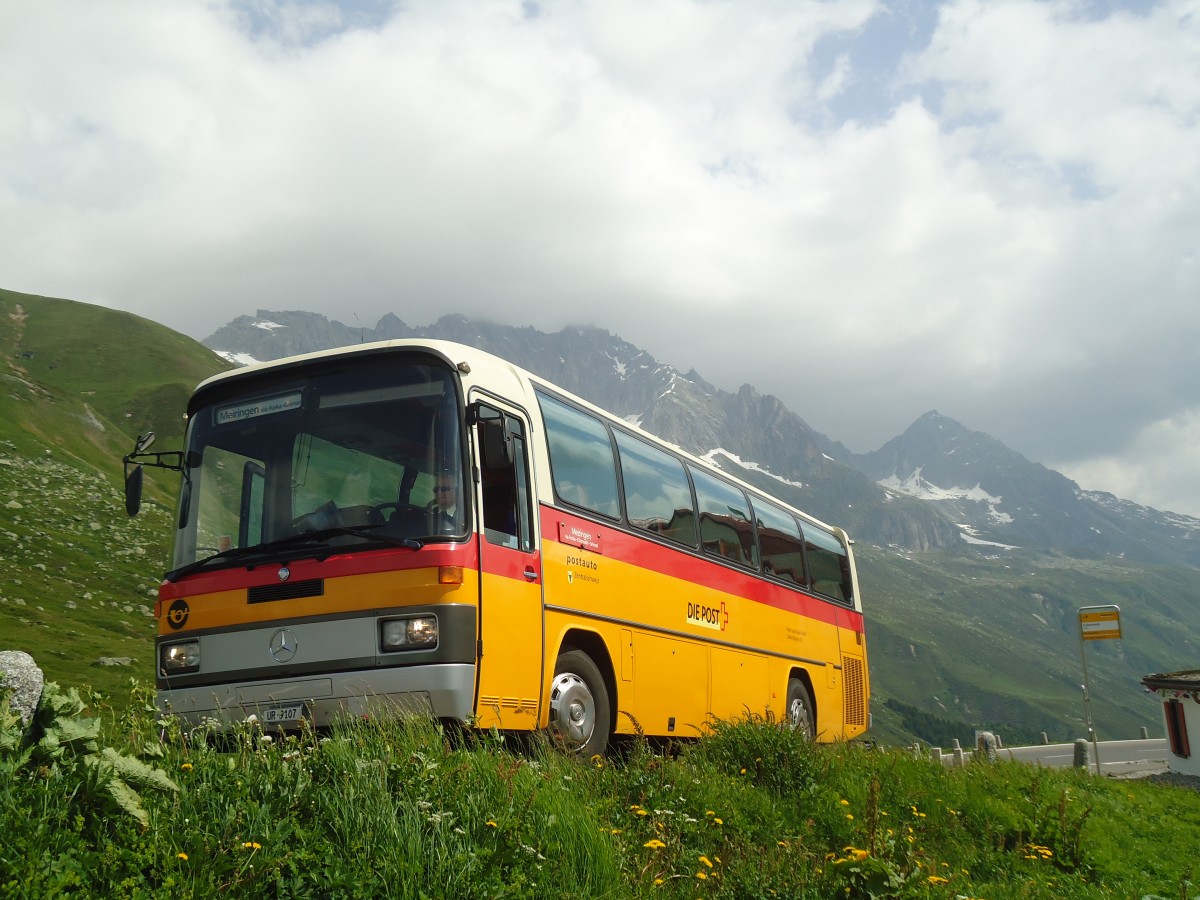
176	659
415	633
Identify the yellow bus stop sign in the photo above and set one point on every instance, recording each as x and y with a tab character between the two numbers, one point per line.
1100	623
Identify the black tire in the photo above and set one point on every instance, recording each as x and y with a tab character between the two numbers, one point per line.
800	713
579	706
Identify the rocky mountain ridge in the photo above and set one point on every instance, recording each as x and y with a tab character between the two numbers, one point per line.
938	485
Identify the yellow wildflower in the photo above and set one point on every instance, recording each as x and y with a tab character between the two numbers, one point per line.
654	844
251	845
844	802
937	879
719	821
703	876
491	823
187	767
658	881
182	856
706	861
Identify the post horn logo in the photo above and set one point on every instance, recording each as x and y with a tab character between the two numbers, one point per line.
177	615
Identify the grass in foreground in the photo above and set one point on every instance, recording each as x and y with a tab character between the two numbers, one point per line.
389	809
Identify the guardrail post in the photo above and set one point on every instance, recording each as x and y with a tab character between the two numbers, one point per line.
958	753
985	747
1145	733
1045	739
1081	753
936	753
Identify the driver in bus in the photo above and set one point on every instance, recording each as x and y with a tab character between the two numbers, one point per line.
443	510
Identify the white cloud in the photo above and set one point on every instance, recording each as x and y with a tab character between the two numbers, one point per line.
1160	466
1010	236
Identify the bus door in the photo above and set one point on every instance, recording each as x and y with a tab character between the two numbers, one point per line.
511	643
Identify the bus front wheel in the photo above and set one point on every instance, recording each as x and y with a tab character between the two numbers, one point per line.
800	715
579	711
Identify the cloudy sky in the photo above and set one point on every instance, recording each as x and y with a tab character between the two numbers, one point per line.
869	209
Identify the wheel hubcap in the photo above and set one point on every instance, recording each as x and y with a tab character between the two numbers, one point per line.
798	714
572	709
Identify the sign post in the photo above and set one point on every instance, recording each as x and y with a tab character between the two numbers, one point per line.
1096	623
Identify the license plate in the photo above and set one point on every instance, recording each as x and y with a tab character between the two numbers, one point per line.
282	715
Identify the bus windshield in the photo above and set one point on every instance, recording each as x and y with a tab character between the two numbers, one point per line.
369	452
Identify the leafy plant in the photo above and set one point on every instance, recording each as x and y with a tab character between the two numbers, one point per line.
63	744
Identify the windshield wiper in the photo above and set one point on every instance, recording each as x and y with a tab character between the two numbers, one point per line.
305	541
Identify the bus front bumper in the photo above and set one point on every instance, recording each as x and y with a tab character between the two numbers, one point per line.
443	691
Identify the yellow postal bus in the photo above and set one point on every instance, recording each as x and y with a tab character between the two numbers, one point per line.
421	526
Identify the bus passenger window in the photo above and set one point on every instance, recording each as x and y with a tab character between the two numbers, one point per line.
829	564
581	458
726	529
658	498
781	543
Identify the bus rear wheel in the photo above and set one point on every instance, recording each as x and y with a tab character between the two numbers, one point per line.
800	710
579	709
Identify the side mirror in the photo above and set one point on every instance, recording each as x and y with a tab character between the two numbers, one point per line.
143	443
133	490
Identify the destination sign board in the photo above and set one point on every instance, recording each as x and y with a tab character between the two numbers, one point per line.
1100	623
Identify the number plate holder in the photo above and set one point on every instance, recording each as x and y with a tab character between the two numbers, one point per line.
287	714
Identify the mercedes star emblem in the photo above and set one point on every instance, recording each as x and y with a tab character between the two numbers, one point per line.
283	645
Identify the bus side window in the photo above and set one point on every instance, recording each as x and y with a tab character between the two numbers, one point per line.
828	563
657	495
781	543
582	464
726	529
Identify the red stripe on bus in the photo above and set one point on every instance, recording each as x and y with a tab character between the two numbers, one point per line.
653	556
337	566
509	563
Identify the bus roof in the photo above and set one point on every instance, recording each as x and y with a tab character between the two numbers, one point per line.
486	368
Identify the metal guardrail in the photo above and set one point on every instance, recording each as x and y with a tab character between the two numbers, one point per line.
1118	758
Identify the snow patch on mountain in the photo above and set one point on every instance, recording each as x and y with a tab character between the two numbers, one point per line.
971	536
238	359
711	458
268	325
915	485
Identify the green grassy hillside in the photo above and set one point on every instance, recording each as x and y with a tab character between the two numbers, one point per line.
993	643
77	576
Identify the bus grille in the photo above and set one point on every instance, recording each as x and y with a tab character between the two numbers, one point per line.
854	690
288	590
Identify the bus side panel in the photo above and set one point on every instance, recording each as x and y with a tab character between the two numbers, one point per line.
695	631
741	685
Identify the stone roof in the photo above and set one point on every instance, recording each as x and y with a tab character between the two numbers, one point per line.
1188	680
